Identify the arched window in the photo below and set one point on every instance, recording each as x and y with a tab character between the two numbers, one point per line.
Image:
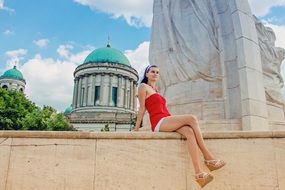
5	86
21	89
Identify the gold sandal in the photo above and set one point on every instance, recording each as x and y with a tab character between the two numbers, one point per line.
214	164
203	178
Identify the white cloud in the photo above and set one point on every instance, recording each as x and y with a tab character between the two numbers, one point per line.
136	13
49	81
15	56
263	7
8	33
139	57
1	4
63	50
2	7
41	43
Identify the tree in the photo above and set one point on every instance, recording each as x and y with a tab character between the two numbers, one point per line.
14	106
18	113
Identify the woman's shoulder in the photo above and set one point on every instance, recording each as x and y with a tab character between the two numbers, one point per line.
142	86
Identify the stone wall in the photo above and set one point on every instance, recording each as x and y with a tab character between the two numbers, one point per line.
141	160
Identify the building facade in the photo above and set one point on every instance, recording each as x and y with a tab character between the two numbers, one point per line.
104	92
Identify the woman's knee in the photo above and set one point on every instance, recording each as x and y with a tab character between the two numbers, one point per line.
192	119
189	133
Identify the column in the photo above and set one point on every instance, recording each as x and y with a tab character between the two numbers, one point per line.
120	92
91	103
135	96
86	90
131	95
110	103
74	102
79	91
126	93
101	89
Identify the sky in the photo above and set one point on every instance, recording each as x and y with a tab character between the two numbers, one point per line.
48	39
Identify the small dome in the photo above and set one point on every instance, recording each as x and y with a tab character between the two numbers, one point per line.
13	74
107	55
68	110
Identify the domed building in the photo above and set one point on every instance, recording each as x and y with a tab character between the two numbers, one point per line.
104	92
13	79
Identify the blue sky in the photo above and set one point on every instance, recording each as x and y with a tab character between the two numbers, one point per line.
48	39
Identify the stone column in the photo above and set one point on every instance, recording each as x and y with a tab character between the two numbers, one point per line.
91	103
250	76
131	94
101	89
135	96
79	91
74	102
110	103
120	97
126	97
85	102
105	90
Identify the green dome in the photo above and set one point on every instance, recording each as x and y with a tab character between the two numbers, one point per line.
68	110
107	55
13	74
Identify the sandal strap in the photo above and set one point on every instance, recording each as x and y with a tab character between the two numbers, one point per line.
214	162
201	175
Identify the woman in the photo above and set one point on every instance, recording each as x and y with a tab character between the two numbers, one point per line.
162	120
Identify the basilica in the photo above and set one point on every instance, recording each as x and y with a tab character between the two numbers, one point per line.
13	79
104	95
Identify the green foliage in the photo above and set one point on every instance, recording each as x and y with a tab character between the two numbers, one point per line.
18	113
105	128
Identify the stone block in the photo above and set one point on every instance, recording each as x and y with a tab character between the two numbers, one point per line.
243	157
279	152
5	150
254	123
229	47
213	110
254	107
232	74
248	54
244	26
251	84
275	112
234	103
240	5
137	165
45	164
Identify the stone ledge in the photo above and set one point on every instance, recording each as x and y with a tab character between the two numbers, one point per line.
138	135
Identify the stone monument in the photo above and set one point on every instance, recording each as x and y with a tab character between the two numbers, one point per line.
219	62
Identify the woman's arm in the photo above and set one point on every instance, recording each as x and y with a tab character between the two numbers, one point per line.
141	112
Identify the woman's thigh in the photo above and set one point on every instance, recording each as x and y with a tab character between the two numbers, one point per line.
174	122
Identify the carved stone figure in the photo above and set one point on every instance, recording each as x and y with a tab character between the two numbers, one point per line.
271	59
214	64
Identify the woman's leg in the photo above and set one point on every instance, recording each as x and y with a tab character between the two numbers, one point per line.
192	146
172	123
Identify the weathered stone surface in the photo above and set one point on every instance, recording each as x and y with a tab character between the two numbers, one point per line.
140	165
210	51
51	164
138	160
5	151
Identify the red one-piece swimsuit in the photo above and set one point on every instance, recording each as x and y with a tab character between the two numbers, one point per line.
156	106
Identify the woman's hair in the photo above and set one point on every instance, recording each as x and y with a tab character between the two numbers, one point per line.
145	79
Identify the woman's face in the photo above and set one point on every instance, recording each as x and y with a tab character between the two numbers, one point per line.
153	74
